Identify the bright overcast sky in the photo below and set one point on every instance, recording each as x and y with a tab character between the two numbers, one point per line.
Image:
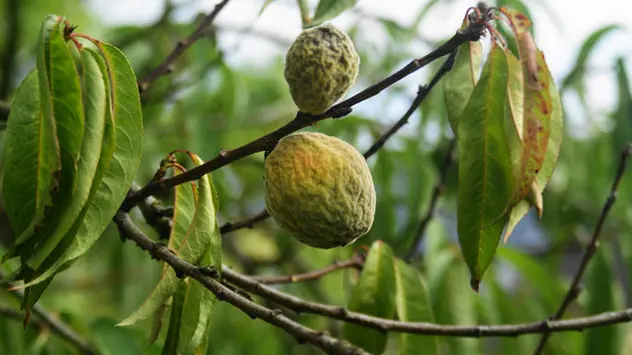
559	36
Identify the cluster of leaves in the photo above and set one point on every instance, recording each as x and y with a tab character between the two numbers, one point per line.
73	143
508	124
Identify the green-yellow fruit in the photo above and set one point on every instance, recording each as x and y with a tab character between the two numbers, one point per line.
319	189
320	67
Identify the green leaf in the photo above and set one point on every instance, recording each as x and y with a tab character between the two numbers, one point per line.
29	137
328	9
123	134
601	287
623	116
459	82
548	285
60	95
263	7
574	77
95	103
374	295
189	322
413	306
194	233
485	173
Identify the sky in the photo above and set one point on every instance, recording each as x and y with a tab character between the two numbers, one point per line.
560	28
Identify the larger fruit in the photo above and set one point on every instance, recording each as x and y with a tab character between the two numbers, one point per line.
319	189
320	67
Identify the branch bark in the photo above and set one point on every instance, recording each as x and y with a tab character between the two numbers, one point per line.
320	339
574	289
356	261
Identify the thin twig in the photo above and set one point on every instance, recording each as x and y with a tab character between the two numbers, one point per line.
19	316
302	120
246	223
275	317
56	325
437	190
180	48
507	330
12	35
355	262
574	288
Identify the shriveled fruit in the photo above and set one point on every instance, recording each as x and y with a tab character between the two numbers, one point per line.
319	189
320	67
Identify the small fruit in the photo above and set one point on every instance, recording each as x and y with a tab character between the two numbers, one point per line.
319	189
320	68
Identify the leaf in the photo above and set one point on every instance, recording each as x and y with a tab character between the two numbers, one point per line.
548	285
118	171
186	196
485	173
263	7
194	233
459	82
374	295
623	115
95	104
31	159
328	9
601	287
577	72
60	96
413	306
189	322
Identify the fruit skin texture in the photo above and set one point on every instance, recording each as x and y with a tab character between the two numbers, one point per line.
319	189
320	67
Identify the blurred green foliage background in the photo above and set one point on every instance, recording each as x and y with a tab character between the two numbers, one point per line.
211	102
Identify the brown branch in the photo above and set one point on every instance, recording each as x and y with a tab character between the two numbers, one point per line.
509	330
180	48
52	322
275	317
302	120
246	223
357	261
413	252
574	288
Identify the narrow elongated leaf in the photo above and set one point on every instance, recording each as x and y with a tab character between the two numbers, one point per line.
186	197
31	158
622	117
485	173
60	96
574	77
602	288
375	295
413	305
120	156
190	317
328	9
459	82
95	103
194	234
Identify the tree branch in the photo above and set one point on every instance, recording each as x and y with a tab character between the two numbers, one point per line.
56	325
246	223
275	317
19	316
299	305
208	278
574	288
356	261
436	192
180	48
267	142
